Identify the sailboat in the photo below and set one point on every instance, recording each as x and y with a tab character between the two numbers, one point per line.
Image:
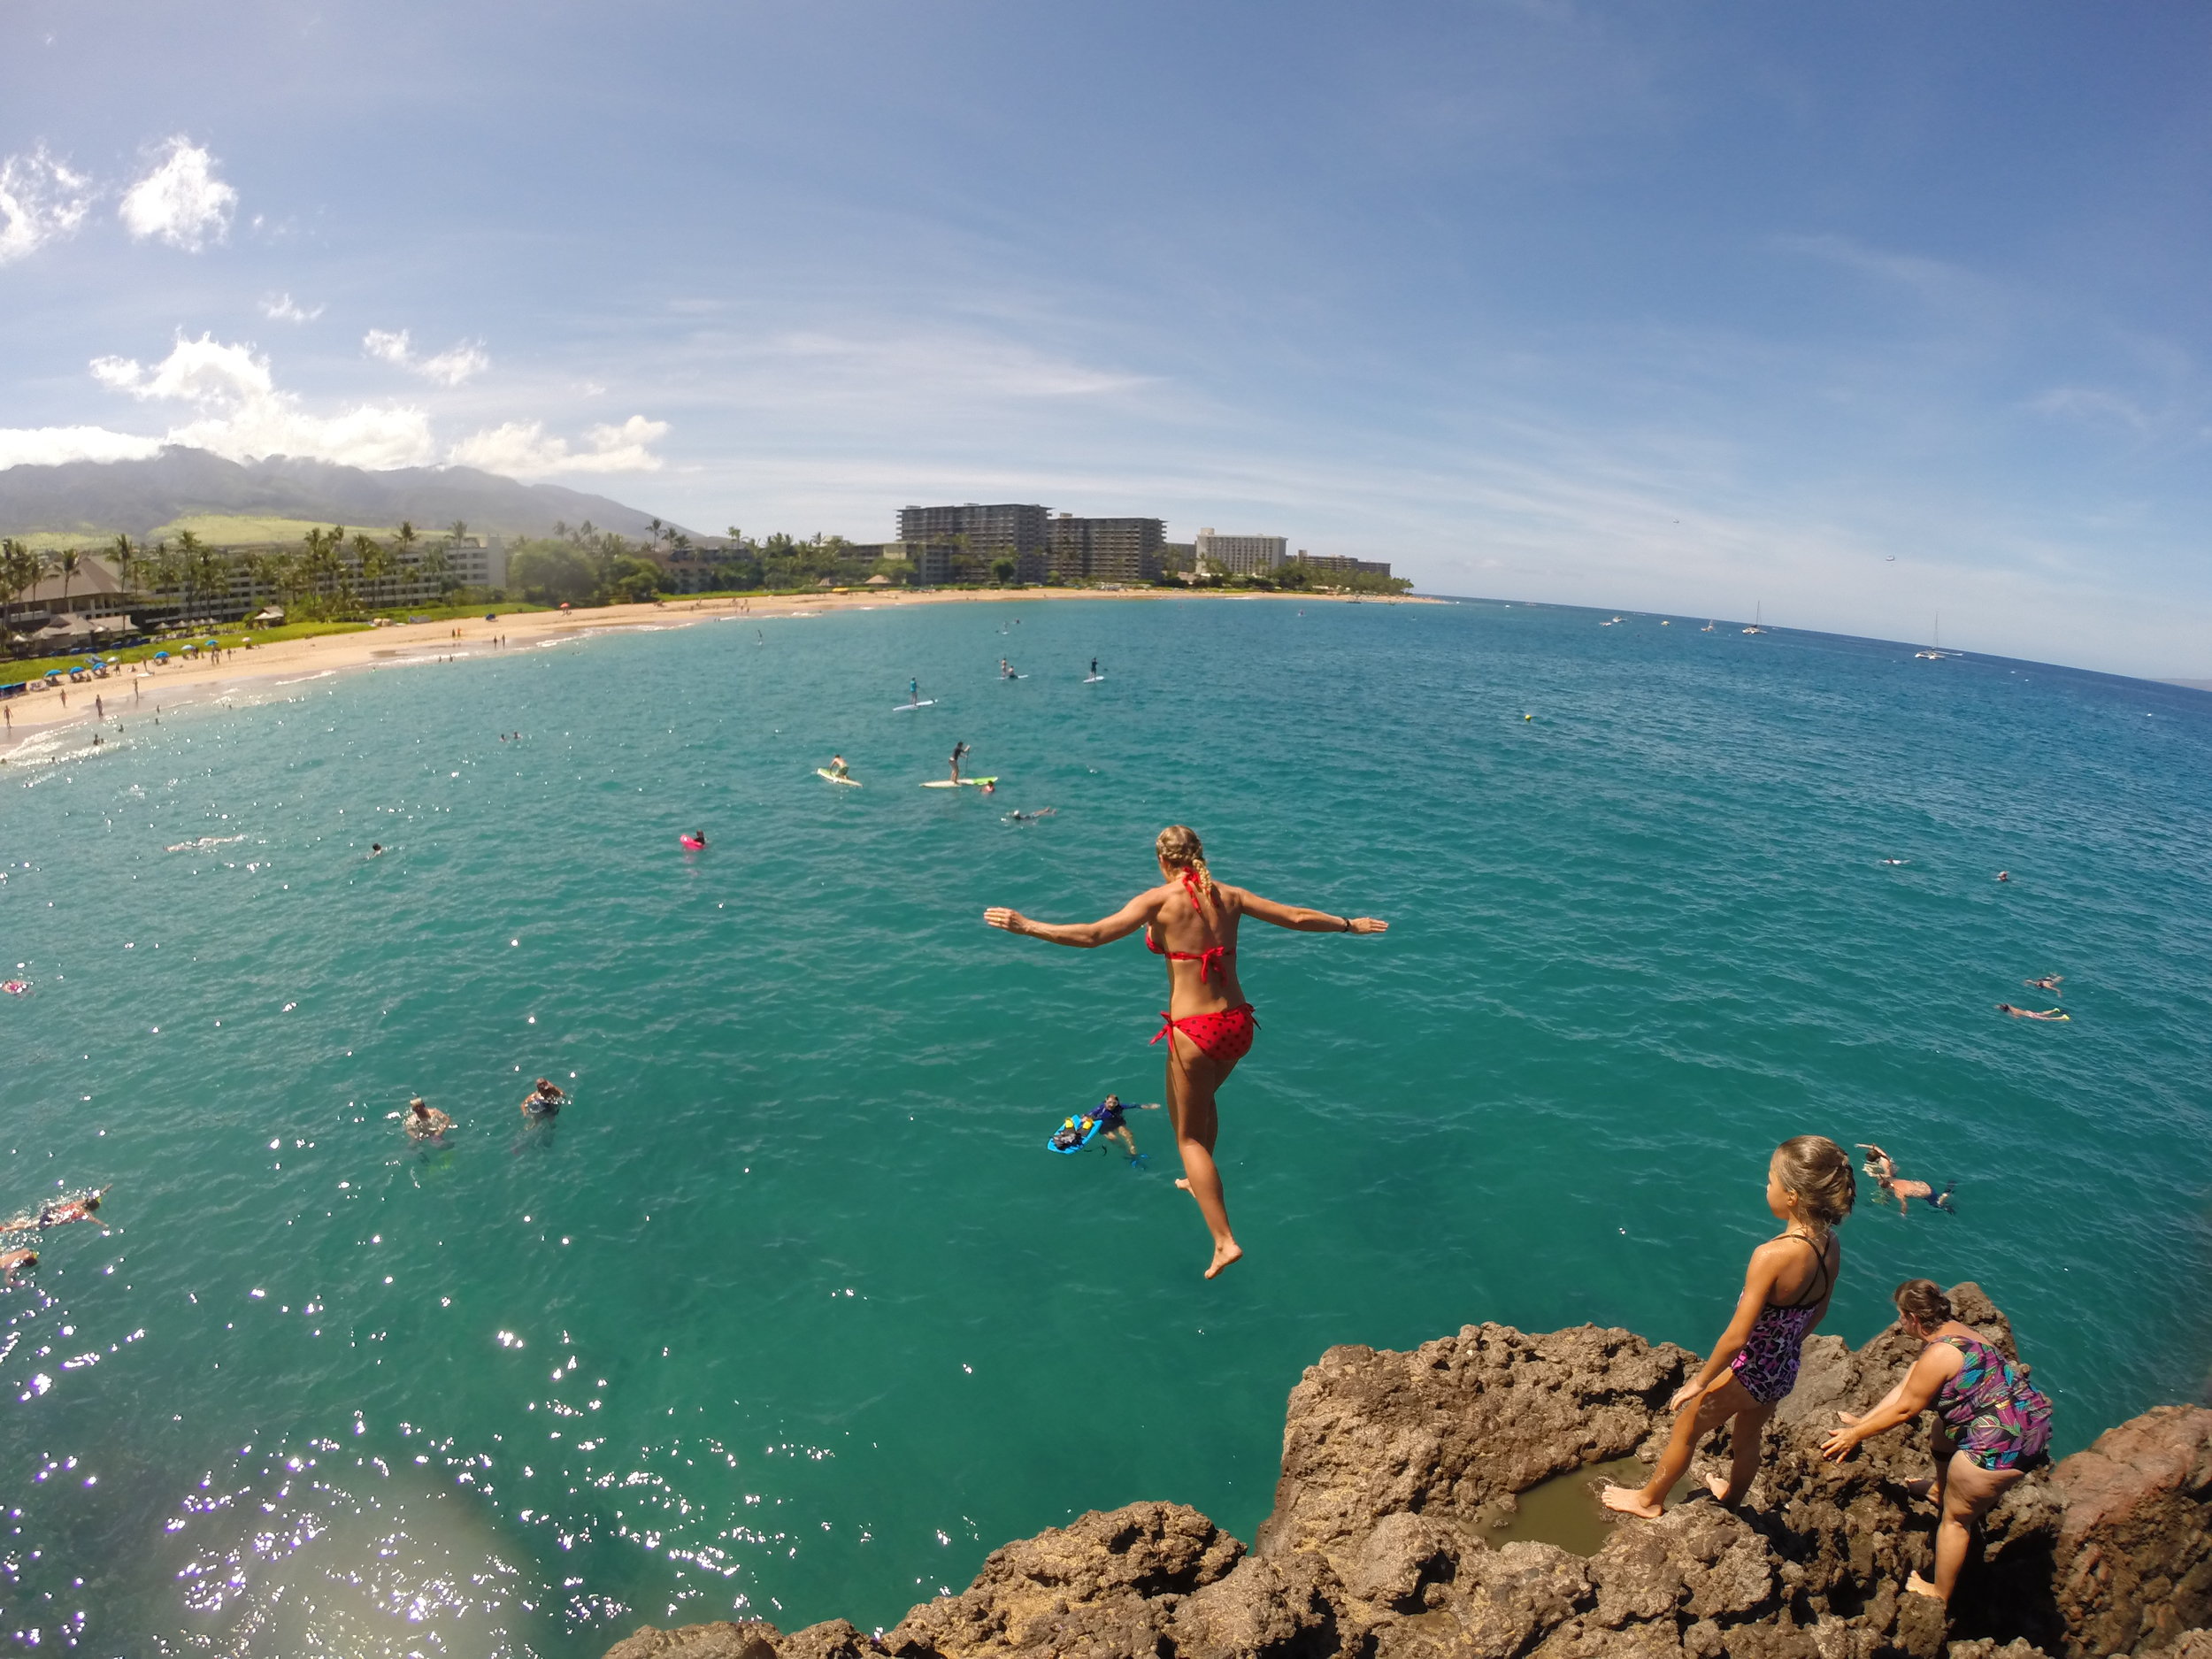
1934	653
1758	615
1707	628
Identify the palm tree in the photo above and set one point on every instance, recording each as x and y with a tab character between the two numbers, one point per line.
459	529
376	563
125	557
188	568
65	565
19	571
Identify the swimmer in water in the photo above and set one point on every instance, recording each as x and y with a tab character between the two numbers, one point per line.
1108	1116
959	750
423	1121
376	849
11	1261
697	838
1005	669
1019	817
57	1212
544	1100
2004	875
2030	1013
2048	982
836	768
1883	1167
1893	861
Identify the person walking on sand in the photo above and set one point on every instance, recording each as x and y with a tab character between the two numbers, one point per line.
1753	1367
1991	1424
1191	919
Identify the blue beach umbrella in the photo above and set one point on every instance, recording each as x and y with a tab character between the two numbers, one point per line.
161	656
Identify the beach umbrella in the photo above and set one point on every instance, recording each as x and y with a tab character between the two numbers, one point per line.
161	656
51	672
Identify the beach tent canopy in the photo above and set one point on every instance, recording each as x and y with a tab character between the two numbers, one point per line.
270	613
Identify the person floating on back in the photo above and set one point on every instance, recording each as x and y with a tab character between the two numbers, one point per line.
1754	1365
1191	919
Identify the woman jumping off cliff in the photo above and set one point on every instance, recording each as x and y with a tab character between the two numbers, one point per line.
1754	1365
1191	919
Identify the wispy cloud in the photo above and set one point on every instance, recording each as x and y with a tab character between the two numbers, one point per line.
523	449
40	201
55	446
282	308
450	367
180	200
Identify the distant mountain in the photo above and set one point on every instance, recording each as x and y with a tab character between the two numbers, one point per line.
96	499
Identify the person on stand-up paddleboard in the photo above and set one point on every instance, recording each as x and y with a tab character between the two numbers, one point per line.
958	751
1191	919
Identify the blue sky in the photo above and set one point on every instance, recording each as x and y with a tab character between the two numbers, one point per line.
1688	308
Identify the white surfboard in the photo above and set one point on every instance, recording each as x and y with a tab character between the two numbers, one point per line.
1092	680
965	783
827	776
926	702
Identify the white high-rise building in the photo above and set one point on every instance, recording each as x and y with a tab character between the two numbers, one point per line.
1239	555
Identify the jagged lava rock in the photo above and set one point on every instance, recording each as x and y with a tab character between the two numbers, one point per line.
1375	1550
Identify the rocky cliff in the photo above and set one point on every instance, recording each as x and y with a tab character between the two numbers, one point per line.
1396	1465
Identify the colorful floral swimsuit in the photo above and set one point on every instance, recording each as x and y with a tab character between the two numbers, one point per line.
1997	1418
1767	1367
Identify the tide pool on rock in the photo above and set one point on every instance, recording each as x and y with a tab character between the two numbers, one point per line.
784	1315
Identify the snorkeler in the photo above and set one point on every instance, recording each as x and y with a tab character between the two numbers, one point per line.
423	1121
11	1260
1191	920
2030	1013
57	1212
1019	817
1108	1116
376	849
1883	1167
2048	982
543	1101
958	751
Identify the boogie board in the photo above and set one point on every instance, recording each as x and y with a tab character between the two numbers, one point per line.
926	702
1090	1134
824	773
965	783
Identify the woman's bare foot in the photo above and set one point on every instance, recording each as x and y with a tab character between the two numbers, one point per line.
1719	1488
1628	1501
1224	1254
1919	1586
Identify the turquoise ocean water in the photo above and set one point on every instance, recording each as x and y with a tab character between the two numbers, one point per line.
791	1311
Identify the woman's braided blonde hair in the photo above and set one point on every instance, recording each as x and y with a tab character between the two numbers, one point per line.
1181	849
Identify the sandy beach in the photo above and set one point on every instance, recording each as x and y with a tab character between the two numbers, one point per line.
43	724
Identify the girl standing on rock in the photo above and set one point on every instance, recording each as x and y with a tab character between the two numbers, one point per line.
1991	1424
1191	919
1810	1188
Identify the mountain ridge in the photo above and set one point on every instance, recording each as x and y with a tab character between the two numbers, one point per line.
101	499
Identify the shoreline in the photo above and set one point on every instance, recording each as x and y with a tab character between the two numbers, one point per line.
33	720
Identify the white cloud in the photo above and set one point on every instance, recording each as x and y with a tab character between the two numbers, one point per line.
242	413
51	446
182	201
521	450
447	368
40	201
280	308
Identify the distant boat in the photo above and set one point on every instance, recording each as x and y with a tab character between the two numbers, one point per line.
1758	615
1935	653
1707	628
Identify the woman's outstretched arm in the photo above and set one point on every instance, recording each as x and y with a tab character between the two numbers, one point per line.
1300	919
1082	935
1938	1363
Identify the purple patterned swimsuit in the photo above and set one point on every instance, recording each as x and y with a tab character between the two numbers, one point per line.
1992	1412
1767	1367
